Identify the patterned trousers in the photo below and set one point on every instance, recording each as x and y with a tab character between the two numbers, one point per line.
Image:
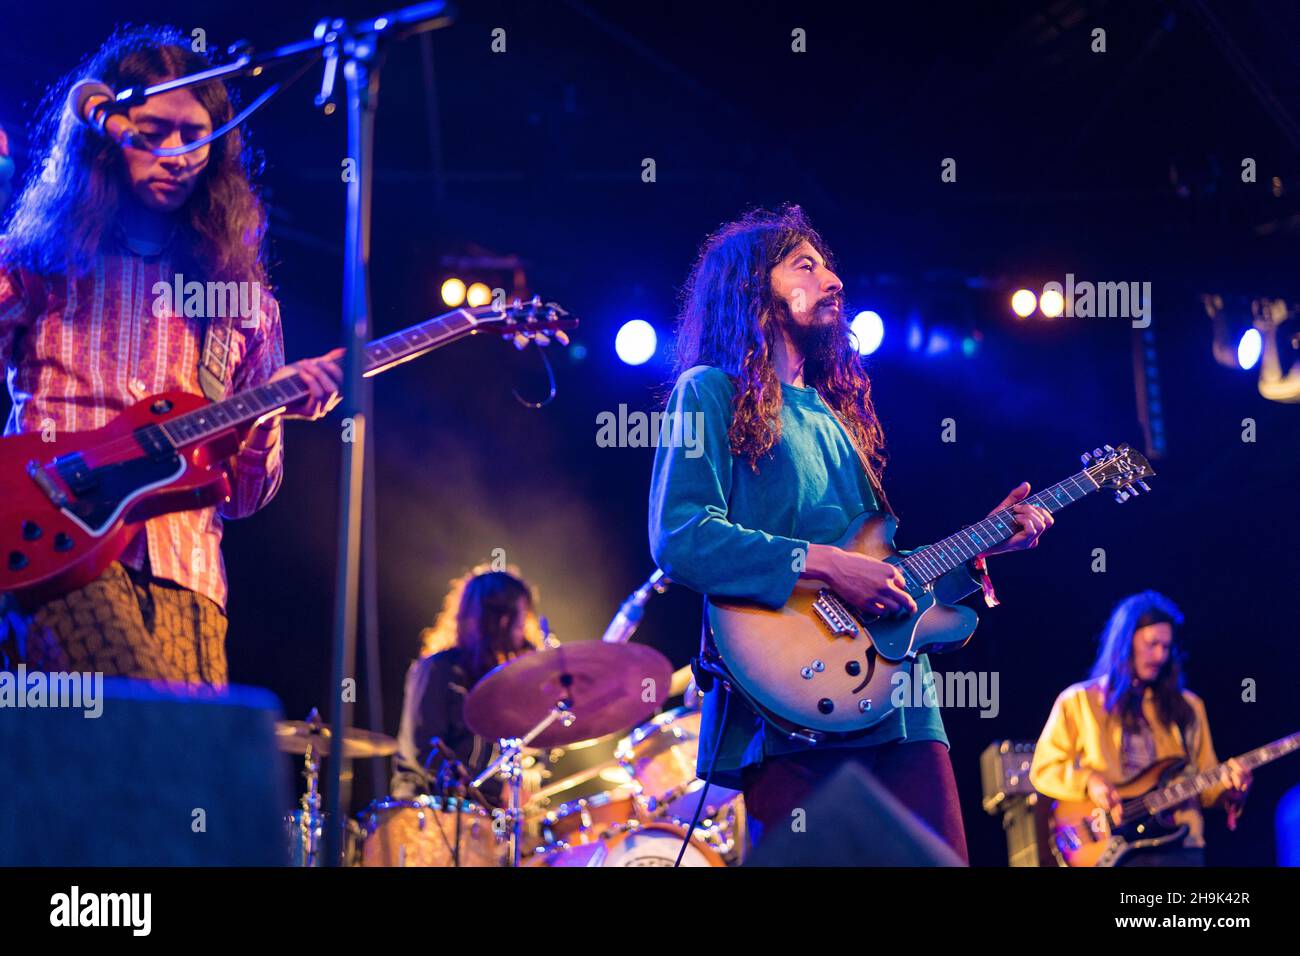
125	623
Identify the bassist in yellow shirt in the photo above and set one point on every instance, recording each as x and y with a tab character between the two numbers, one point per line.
1131	713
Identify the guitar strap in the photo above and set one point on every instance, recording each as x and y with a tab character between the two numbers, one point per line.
214	358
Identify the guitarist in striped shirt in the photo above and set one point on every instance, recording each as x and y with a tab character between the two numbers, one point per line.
96	232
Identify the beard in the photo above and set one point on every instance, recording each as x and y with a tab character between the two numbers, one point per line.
822	341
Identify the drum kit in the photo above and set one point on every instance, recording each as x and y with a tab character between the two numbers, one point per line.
559	700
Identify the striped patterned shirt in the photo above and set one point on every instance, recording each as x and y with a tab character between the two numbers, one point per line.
78	352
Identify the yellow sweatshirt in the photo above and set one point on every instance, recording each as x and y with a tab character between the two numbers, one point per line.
1081	736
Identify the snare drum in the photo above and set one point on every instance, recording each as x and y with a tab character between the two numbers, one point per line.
423	832
307	843
580	822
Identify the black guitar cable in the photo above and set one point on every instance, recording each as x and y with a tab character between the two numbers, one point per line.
708	777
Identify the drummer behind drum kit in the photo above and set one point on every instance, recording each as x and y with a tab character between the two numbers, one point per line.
568	696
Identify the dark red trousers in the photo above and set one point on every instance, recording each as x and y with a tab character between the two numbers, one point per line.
919	774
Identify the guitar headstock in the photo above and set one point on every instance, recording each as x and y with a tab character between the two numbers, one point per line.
1118	468
530	319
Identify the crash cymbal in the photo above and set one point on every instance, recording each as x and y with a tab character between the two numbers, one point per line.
607	687
294	737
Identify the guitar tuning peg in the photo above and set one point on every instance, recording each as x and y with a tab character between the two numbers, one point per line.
1145	486
1131	490
1108	448
1096	453
1085	458
1121	496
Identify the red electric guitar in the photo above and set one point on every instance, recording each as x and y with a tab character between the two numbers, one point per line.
67	506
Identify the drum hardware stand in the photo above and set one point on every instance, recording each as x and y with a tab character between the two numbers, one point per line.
510	766
442	785
311	823
452	778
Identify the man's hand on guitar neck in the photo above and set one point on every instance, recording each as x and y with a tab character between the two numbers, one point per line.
1105	796
868	583
323	377
1234	797
1033	520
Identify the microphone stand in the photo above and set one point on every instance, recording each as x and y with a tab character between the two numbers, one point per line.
361	64
359	46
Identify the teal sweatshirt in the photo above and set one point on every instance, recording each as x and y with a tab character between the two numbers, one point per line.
720	529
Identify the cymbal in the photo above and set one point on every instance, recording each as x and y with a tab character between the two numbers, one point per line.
575	780
603	684
294	736
682	678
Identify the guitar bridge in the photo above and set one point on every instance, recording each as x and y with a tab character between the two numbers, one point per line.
833	612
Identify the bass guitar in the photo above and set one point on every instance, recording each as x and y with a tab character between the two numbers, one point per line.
1083	834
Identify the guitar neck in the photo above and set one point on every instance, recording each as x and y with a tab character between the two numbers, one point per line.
935	560
380	355
1174	794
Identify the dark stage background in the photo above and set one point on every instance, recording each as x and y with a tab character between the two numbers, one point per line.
1116	166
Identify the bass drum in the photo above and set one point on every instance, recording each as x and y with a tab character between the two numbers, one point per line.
632	844
652	844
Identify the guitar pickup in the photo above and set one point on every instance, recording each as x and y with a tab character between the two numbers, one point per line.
51	490
834	614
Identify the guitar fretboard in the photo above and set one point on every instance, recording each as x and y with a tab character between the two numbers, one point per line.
935	560
380	355
1185	789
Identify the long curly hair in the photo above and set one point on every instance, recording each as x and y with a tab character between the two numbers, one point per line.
72	193
1114	662
477	614
729	319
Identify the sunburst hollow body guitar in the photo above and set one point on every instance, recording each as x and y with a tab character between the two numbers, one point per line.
818	666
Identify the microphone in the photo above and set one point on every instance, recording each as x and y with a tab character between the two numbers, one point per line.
627	619
91	102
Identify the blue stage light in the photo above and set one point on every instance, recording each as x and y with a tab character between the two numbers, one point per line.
1249	348
939	343
915	335
869	331
636	342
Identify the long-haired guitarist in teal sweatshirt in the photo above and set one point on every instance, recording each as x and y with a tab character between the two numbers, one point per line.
788	452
